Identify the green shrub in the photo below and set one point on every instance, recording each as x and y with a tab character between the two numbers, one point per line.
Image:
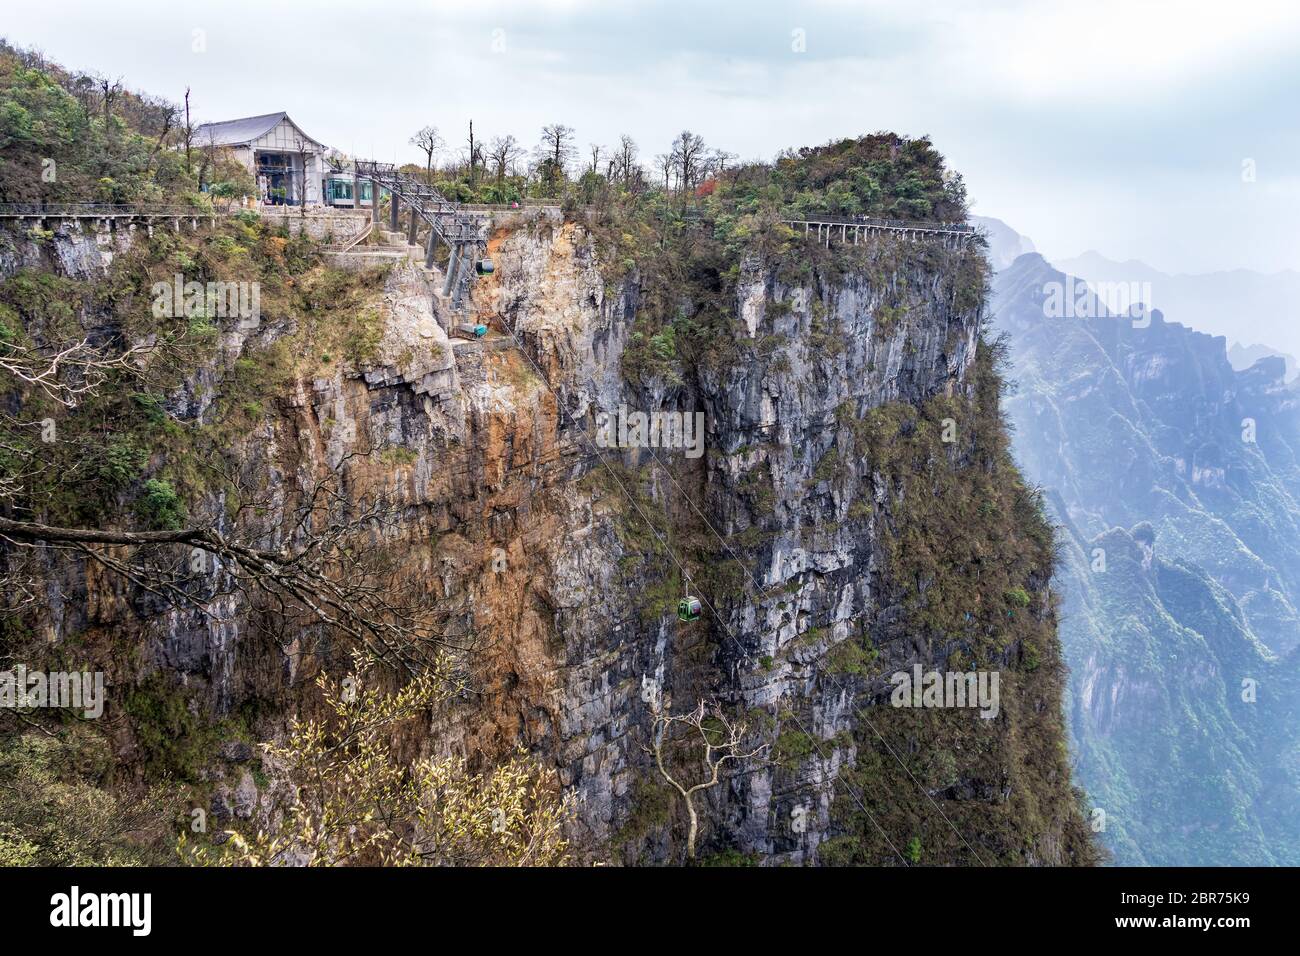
121	463
1017	596
914	849
160	506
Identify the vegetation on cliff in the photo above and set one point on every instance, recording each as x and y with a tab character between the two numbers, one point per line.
967	551
77	137
124	463
969	554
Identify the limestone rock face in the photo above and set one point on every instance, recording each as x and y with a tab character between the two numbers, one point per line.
245	797
529	537
73	248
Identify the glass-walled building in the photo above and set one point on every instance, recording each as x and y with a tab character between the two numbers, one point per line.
340	189
289	167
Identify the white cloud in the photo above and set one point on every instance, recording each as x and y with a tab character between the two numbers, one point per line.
1113	48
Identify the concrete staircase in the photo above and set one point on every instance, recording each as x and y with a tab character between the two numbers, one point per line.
382	247
386	247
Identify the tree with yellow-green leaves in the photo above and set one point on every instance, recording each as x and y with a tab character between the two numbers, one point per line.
353	802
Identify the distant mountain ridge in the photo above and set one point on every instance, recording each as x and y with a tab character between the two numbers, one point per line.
1243	357
1175	481
1005	244
1172	435
1214	302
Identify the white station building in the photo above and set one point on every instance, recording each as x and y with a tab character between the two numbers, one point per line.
288	166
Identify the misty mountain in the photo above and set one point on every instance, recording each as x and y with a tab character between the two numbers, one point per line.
1005	245
1174	479
1242	305
1242	357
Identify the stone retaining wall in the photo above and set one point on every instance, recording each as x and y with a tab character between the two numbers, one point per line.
333	225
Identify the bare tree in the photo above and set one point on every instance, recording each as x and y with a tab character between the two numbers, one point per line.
503	152
429	142
557	149
688	153
596	150
304	153
320	563
557	140
718	161
329	575
666	163
475	155
187	134
719	738
168	114
109	90
67	373
625	159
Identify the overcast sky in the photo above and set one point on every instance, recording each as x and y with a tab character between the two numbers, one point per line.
1116	125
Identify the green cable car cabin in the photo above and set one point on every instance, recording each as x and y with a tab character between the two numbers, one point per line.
688	609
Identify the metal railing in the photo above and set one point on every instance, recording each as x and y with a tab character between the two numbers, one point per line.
872	222
461	231
84	210
519	205
451	222
861	222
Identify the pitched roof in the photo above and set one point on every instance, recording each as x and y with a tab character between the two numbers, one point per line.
238	131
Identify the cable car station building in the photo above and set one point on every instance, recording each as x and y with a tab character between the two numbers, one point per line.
289	167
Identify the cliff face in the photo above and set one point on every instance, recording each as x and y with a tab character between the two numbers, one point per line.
852	515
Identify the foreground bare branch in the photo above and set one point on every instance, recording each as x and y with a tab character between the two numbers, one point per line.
69	373
333	576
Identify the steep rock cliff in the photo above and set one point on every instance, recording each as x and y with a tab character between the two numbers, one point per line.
854	514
